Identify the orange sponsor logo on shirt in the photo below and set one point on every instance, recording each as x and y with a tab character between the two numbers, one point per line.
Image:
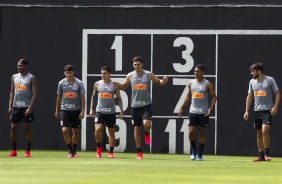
198	95
20	87
70	94
260	93
139	86
106	95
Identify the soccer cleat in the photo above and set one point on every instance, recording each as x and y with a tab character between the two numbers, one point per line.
99	152
71	155
139	155
111	155
200	158
75	155
27	153
147	139
267	157
13	153
193	155
259	159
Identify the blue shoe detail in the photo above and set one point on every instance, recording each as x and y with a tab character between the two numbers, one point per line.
193	155
200	158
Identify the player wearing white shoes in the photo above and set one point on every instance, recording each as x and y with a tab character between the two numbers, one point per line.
262	87
141	112
198	91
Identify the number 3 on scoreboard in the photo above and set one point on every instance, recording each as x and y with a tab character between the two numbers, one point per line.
185	54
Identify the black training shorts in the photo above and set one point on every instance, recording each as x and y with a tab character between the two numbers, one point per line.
198	120
140	113
18	115
109	119
70	117
262	117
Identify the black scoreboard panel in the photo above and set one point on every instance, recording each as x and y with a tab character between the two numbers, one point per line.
173	55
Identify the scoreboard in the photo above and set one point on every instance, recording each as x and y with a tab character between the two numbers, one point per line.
171	53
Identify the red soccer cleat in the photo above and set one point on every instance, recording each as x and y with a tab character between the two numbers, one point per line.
99	152
147	139
13	153
70	155
111	155
27	153
139	155
75	155
259	159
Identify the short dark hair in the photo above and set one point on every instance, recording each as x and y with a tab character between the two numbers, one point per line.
23	61
138	58
68	68
201	67
257	66
107	68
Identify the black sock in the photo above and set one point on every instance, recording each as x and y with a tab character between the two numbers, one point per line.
147	133
69	147
193	145
261	154
201	148
112	149
28	145
266	151
14	145
74	147
139	150
98	144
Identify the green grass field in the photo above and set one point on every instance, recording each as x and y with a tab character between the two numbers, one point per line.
55	167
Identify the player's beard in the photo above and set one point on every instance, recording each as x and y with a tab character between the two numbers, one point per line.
255	76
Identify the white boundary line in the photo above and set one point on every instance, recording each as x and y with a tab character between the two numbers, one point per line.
215	108
86	32
182	31
148	5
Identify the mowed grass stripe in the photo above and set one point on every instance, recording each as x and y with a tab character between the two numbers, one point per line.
54	167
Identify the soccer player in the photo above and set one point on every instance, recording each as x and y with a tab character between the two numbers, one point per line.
140	81
198	91
262	87
22	99
105	109
70	106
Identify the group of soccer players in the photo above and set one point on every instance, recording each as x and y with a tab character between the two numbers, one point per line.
70	106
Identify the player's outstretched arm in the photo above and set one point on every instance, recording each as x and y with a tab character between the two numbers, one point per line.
124	85
158	81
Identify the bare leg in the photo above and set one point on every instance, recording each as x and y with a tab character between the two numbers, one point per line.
14	131
265	135
75	135
27	127
260	140
112	138
137	136
98	132
66	135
